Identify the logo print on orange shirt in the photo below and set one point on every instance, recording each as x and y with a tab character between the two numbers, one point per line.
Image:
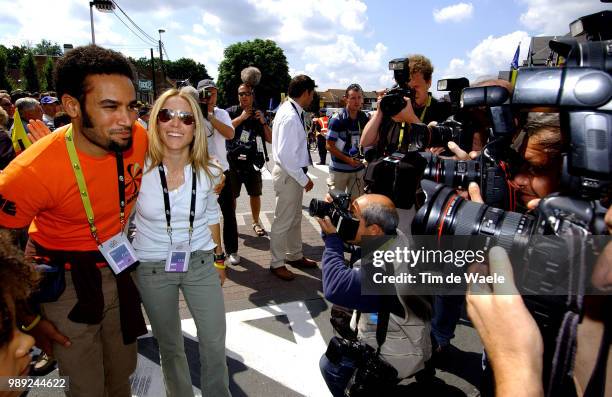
133	181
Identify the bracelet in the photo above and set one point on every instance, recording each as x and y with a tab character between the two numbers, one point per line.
33	324
219	265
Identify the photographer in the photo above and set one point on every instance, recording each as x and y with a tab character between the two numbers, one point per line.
222	130
242	151
408	330
386	130
347	169
513	341
540	145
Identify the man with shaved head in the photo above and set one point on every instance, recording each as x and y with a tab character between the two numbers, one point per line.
407	337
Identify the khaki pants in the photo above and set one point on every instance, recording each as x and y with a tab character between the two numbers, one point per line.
97	363
286	231
349	182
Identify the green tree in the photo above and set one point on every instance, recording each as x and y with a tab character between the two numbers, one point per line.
29	73
47	78
14	55
5	83
45	47
186	68
181	69
267	57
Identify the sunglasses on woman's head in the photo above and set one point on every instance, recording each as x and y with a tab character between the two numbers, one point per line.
166	115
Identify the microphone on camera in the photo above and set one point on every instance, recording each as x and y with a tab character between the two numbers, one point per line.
251	76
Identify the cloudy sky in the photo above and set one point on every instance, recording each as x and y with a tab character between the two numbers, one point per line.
336	42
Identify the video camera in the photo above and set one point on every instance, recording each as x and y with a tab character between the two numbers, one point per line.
562	223
393	101
372	373
339	211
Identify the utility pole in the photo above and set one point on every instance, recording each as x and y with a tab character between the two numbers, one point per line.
161	58
102	6
153	74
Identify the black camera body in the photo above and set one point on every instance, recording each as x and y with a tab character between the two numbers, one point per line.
393	101
372	373
491	178
339	211
246	154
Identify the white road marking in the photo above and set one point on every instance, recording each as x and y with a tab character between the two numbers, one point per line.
295	365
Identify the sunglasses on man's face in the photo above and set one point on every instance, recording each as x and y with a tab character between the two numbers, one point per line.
241	94
166	115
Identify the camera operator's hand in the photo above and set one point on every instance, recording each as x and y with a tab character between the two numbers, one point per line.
473	193
435	150
259	116
327	226
510	335
460	154
406	115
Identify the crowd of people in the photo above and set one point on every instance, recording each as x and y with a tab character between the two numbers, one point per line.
75	285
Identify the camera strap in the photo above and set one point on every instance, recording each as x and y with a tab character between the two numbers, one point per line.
301	116
400	142
565	346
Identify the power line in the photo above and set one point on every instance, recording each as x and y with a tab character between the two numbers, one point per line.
134	23
130	29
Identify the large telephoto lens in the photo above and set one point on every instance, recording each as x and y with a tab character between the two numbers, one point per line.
444	212
319	208
441	135
450	172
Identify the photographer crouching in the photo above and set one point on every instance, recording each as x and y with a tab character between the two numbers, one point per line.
392	338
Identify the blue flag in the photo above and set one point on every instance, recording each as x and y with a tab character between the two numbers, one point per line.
514	64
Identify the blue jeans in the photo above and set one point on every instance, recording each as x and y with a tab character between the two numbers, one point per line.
446	314
201	288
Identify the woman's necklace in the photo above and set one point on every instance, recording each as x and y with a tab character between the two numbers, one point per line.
175	179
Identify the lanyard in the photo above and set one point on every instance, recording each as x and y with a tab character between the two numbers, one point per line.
162	176
401	135
300	115
80	178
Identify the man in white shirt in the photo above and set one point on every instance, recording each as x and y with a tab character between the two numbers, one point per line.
291	158
222	130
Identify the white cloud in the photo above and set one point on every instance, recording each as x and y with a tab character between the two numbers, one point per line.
489	57
209	52
455	13
344	62
552	17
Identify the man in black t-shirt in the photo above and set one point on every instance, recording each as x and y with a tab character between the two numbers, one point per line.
242	151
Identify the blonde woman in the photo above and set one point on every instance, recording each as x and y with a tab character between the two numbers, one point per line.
179	246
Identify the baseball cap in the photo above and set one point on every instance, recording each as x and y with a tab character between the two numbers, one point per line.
206	83
46	100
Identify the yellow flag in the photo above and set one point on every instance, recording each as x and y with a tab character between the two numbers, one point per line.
20	140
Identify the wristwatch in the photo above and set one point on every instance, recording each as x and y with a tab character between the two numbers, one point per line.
211	116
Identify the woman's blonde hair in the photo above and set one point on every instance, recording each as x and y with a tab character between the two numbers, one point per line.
198	149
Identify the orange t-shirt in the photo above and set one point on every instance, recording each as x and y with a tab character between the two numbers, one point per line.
39	188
